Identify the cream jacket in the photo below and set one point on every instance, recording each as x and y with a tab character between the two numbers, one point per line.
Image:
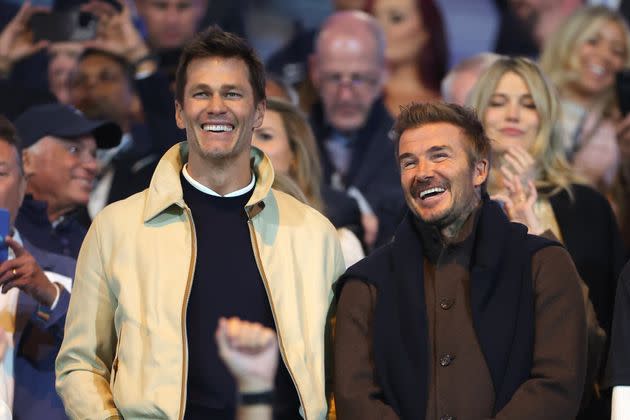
124	352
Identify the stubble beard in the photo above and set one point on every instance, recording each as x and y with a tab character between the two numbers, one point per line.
451	220
220	158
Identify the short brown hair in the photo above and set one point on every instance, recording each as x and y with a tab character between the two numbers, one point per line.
214	42
418	114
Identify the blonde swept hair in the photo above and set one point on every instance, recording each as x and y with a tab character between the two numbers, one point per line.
559	59
552	168
306	169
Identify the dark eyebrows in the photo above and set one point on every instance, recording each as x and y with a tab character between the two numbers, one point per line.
406	156
230	87
206	87
433	149
198	86
442	148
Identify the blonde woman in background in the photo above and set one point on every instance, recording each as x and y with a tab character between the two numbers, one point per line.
538	188
582	58
287	139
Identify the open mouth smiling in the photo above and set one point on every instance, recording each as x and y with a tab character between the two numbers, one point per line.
217	128
431	192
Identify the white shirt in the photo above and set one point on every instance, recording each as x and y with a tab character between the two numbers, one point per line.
621	403
199	186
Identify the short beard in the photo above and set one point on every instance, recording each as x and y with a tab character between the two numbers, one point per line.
450	228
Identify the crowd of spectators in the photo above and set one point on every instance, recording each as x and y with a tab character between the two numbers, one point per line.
86	119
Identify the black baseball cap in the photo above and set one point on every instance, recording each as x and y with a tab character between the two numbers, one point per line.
65	122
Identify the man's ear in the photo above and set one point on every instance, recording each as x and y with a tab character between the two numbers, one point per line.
261	107
313	70
179	119
28	163
480	172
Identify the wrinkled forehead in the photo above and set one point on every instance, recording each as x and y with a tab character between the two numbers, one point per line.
424	137
349	54
346	36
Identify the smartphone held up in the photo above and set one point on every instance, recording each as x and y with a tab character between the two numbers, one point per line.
4	232
71	24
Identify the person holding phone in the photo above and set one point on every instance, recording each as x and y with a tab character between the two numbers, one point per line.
29	32
35	290
16	39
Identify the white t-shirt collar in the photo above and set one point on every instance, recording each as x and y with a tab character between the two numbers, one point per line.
210	191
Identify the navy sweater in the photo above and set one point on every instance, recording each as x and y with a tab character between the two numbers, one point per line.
226	283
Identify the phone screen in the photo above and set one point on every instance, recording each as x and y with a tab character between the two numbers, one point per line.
60	26
4	231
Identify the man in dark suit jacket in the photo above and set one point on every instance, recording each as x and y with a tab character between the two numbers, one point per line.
351	123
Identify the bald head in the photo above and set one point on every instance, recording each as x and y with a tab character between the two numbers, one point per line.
354	28
460	80
348	68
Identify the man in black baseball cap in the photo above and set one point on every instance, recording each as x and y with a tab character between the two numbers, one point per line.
59	152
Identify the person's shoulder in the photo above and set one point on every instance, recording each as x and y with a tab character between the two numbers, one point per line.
585	196
624	277
587	193
123	211
536	242
376	261
581	201
301	214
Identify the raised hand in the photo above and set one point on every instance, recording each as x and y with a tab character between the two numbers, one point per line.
250	352
116	32
24	273
519	162
16	39
519	202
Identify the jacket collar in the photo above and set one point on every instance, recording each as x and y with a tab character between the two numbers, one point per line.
165	189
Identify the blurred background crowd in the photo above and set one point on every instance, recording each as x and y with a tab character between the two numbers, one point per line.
335	83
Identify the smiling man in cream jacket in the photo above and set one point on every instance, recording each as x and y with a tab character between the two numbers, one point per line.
208	238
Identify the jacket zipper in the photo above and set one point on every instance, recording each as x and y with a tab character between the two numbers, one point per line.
252	233
193	261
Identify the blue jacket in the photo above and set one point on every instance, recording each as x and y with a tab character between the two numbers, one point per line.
65	238
37	343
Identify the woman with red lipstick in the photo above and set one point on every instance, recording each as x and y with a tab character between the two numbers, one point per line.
582	58
531	176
